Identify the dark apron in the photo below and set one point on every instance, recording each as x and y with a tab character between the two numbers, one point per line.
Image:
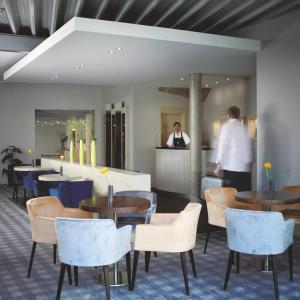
178	142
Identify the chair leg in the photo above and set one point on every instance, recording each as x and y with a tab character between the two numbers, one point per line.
14	192
25	195
147	260
229	265
206	240
76	275
237	262
31	259
60	280
155	254
291	262
54	253
69	271
184	271
135	263
193	262
275	275
17	196
128	267
106	282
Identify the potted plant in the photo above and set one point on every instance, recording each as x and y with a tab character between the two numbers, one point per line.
10	160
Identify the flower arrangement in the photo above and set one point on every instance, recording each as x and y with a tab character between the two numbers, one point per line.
104	171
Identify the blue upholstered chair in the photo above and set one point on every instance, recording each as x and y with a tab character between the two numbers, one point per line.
91	243
28	179
70	193
259	233
146	216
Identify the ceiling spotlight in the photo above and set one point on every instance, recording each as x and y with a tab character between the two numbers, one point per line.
181	78
111	52
54	77
81	65
217	82
119	48
206	85
227	79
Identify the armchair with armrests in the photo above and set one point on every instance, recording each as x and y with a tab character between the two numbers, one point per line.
42	213
175	233
217	200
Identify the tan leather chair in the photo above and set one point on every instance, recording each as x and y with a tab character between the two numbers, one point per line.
217	200
174	233
290	211
293	206
42	212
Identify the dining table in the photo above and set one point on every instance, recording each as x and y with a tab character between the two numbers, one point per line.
29	168
266	200
105	208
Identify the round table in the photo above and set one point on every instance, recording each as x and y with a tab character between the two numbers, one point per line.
29	168
120	205
58	177
263	198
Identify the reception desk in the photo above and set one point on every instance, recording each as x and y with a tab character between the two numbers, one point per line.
122	180
172	172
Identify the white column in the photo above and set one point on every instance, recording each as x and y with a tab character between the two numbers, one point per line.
196	117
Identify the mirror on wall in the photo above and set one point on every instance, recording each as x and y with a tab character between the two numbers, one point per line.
54	130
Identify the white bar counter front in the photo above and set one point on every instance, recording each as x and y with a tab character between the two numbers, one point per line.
122	180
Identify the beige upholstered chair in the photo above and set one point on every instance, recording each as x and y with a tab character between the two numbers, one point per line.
217	200
42	211
290	211
174	233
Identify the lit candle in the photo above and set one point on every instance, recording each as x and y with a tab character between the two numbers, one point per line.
72	152
93	153
81	152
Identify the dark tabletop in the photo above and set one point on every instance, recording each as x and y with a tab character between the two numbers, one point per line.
120	205
264	197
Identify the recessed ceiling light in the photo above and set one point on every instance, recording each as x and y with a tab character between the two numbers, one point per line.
119	48
81	65
227	79
206	85
54	77
217	82
181	78
111	52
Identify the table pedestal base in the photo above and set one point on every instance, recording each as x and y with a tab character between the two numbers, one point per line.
264	265
114	279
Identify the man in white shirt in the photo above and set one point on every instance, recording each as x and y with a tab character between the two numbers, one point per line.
178	139
234	153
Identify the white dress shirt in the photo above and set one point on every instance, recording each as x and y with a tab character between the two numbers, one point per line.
234	150
178	135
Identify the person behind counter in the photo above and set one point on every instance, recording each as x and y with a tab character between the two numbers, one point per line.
178	139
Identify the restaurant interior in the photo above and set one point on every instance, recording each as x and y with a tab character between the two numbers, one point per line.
149	149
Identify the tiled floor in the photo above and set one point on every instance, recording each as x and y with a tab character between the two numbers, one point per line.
164	280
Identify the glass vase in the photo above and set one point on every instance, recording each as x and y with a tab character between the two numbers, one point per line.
110	195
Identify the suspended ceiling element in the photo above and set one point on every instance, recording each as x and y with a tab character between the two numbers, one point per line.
95	52
44	17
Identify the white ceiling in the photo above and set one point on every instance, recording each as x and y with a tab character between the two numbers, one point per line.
8	59
148	54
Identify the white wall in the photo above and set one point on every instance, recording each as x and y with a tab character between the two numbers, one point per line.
278	92
18	103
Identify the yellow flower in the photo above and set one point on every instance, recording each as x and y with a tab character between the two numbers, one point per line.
104	171
267	165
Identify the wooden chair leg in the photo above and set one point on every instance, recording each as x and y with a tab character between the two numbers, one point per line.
184	271
14	192
229	265
275	275
290	250
54	253
25	196
193	262
17	196
60	280
237	262
207	238
155	254
106	282
135	263
69	271
31	259
128	267
147	260
76	275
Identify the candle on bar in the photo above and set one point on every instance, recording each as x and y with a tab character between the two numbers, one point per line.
72	152
81	152
93	153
